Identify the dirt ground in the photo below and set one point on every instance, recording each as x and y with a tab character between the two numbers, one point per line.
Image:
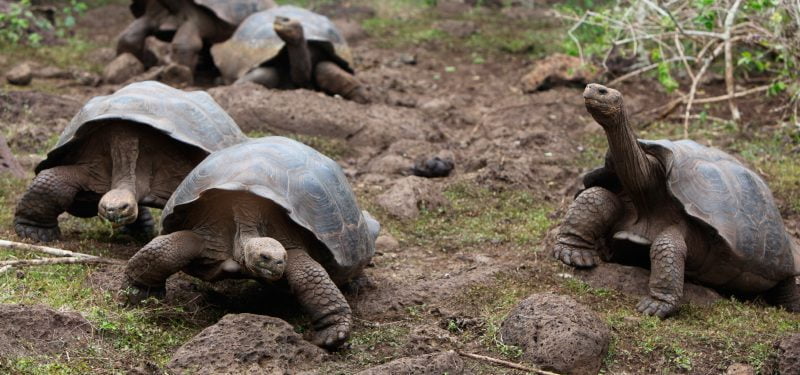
479	244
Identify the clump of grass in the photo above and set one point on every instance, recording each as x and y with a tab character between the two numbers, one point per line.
476	215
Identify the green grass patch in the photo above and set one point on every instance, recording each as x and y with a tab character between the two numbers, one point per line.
476	215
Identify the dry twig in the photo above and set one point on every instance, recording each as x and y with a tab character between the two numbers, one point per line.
11	245
64	260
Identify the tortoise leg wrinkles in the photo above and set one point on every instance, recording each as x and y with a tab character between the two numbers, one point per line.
50	194
147	271
131	40
588	220
265	76
667	259
320	297
334	80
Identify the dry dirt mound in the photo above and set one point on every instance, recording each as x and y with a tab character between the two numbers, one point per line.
38	330
256	108
246	344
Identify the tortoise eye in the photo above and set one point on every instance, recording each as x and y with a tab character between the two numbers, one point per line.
265	257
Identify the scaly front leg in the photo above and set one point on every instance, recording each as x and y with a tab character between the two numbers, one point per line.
667	259
50	194
589	218
320	297
147	271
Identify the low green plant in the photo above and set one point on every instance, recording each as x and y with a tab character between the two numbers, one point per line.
23	23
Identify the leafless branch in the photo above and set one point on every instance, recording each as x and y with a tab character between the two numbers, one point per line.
508	364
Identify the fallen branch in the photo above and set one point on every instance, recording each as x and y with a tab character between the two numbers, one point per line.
733	96
508	364
729	84
11	245
65	260
645	69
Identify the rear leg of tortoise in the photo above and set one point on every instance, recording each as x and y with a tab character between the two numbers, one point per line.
336	81
264	75
785	294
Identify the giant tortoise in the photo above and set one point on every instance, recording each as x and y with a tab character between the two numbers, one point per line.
700	212
122	151
267	209
290	47
188	24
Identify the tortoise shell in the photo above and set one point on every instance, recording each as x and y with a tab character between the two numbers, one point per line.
717	190
255	42
230	11
311	188
193	118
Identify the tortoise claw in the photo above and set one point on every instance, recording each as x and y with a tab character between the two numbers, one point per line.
332	337
37	233
575	257
656	307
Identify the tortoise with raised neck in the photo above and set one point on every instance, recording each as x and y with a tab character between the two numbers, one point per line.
700	213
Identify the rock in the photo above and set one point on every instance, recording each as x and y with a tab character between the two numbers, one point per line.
433	167
787	353
122	69
557	333
389	164
405	198
20	75
558	70
429	364
39	330
52	72
102	56
635	280
245	344
176	75
156	52
740	369
386	243
88	79
9	163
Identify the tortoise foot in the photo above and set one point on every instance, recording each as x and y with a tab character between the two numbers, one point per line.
574	256
333	336
656	307
37	233
131	293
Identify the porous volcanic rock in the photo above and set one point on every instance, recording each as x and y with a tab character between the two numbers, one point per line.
246	344
123	68
405	198
557	333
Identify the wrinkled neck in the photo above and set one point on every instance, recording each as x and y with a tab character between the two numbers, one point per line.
300	63
124	153
246	219
637	173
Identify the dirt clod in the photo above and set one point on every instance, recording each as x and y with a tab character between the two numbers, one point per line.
740	369
37	330
557	333
557	70
245	344
9	163
386	243
20	75
430	364
123	68
405	198
787	355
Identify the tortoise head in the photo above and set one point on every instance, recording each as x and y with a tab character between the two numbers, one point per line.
289	30
118	206
265	257
605	105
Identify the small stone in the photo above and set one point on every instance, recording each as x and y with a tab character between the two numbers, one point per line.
21	75
740	369
52	72
432	168
386	243
122	69
408	59
177	75
87	79
408	195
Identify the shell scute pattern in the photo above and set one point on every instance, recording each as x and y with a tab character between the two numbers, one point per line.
193	118
309	186
235	11
719	191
